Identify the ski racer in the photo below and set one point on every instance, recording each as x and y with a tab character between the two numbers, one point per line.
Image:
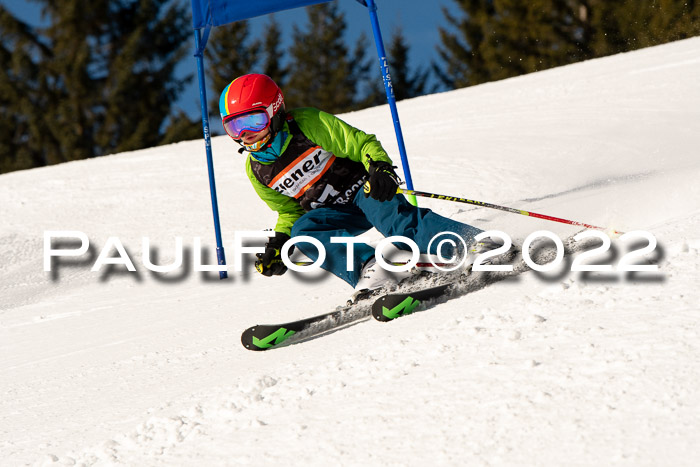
310	167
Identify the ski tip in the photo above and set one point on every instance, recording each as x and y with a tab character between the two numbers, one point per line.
265	337
379	308
247	338
390	307
250	340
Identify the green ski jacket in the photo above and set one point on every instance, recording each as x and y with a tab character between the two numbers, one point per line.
323	162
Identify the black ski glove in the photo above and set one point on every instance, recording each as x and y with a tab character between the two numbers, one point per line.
270	262
383	181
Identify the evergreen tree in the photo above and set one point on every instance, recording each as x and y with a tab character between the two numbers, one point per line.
497	39
406	83
141	46
322	72
21	133
370	82
272	54
229	53
463	63
180	127
98	79
77	105
628	25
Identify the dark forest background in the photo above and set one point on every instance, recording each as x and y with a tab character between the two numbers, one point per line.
100	77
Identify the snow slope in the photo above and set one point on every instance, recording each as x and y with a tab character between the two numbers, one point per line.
114	367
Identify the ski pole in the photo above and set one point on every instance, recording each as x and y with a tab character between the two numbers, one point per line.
500	208
392	263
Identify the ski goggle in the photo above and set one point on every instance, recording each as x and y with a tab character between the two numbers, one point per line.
254	122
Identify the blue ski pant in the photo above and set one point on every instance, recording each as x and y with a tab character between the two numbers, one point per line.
390	218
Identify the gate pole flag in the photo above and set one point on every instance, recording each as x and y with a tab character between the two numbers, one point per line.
211	13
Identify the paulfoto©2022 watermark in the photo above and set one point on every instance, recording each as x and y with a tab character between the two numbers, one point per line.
75	244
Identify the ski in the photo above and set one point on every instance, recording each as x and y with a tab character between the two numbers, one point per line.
401	303
268	336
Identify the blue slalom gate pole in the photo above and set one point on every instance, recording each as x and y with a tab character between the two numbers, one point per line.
199	54
389	89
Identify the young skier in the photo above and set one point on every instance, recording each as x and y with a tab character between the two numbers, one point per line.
311	167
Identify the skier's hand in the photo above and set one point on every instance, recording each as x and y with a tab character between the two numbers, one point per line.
270	262
382	182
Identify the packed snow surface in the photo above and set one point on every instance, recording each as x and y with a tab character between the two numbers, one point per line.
145	368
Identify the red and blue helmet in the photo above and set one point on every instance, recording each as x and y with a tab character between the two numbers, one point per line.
252	103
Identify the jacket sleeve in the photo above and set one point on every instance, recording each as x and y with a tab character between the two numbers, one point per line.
288	209
338	137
